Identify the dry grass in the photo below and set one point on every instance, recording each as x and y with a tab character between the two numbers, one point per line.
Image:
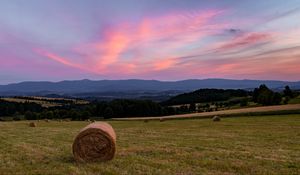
43	101
225	112
244	145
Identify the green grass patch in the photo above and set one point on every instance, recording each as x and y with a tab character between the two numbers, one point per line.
295	100
265	113
238	145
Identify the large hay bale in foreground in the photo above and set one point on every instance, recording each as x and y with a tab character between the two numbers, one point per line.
216	119
32	124
95	142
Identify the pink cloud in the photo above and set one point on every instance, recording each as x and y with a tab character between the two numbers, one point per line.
226	68
180	23
163	64
152	39
271	65
160	47
59	59
114	44
245	40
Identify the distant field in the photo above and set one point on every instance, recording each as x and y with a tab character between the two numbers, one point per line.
290	109
295	100
242	145
44	101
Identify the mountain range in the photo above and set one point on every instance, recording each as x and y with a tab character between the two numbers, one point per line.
133	86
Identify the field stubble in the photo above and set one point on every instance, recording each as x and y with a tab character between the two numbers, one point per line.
243	145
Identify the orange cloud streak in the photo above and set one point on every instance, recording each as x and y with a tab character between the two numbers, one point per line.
60	59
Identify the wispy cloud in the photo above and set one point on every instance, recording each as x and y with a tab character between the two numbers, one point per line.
246	40
168	41
152	39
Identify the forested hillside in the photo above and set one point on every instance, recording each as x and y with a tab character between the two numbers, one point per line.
206	96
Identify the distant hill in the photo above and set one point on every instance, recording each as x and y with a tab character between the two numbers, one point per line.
133	86
206	96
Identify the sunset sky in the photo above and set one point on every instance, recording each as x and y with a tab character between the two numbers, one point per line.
57	40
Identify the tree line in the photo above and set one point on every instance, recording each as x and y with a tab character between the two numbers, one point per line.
116	108
120	108
205	96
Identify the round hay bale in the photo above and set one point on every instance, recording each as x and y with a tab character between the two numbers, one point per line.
95	142
216	119
32	124
47	120
162	119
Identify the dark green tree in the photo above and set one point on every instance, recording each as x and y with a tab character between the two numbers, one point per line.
30	115
288	92
263	95
244	102
108	113
192	107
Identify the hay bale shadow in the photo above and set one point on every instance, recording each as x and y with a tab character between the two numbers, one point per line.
32	124
216	119
162	119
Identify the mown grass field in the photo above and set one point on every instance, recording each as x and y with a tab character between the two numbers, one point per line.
239	145
44	101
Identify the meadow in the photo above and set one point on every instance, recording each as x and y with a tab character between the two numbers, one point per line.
44	101
239	145
295	100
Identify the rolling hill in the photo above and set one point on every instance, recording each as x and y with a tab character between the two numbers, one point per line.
134	86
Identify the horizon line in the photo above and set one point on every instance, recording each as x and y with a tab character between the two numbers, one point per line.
59	81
